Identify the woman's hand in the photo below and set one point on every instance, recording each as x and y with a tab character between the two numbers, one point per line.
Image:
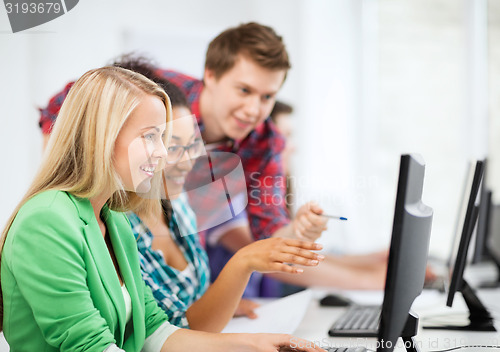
184	340
274	255
246	309
222	297
281	343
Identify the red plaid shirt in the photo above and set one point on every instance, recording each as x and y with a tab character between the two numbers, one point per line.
259	153
261	160
49	114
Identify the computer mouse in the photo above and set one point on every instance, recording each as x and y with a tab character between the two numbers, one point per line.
332	300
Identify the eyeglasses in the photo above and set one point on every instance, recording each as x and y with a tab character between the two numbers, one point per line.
176	152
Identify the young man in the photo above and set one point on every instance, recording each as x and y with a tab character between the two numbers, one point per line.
245	68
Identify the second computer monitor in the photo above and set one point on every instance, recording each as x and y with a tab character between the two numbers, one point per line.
480	318
407	256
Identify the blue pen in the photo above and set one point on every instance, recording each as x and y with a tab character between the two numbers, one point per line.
334	217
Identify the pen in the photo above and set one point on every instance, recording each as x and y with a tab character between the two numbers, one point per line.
334	217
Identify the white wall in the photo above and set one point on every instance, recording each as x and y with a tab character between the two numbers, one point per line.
424	97
370	80
383	78
494	95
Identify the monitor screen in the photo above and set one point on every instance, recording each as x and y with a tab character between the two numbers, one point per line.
407	256
480	237
480	318
461	214
459	256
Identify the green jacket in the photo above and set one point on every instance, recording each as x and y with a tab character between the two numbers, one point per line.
60	288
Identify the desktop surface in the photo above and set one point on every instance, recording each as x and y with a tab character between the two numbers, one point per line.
429	306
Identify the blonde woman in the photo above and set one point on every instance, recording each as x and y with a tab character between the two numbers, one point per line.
70	275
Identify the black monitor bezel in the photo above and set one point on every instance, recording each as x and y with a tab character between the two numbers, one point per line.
480	246
458	268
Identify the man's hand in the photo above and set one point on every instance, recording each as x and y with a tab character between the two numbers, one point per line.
308	223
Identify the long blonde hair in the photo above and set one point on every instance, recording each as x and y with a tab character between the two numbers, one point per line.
79	156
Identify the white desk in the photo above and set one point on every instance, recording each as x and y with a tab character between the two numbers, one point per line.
318	320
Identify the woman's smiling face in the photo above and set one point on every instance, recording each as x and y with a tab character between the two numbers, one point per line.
139	148
184	134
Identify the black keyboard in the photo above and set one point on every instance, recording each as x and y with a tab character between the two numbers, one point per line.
357	321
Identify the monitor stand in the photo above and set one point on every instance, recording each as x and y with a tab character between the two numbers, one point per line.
409	332
479	317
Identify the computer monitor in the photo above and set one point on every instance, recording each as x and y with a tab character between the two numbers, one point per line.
460	220
407	257
485	238
480	238
480	318
493	240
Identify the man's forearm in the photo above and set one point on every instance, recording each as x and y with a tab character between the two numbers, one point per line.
285	232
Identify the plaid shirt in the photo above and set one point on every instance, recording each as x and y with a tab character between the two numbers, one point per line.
259	153
261	160
174	290
49	114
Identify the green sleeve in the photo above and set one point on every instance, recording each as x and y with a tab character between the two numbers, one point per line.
46	258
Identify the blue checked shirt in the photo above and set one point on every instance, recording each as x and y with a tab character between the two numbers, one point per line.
174	290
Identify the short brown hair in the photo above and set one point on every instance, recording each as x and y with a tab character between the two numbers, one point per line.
280	108
258	42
